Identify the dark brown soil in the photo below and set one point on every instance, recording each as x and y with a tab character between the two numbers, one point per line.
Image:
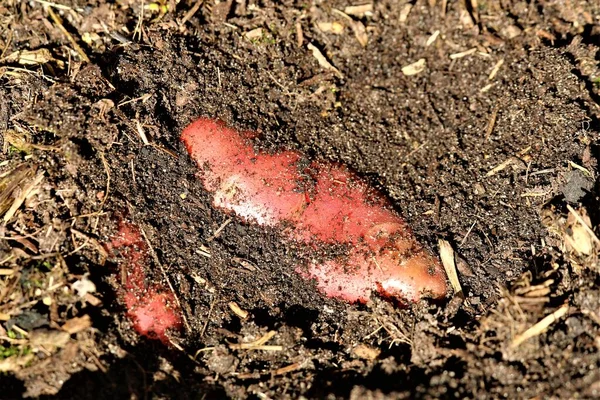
486	160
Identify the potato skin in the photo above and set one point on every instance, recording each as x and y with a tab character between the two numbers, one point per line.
321	204
151	308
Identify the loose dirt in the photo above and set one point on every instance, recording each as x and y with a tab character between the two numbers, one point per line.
479	122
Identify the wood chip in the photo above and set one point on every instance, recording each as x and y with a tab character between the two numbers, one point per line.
77	324
141	132
254	34
11	183
414	68
432	38
237	310
49	338
360	10
92	300
360	32
546	35
491	123
331	27
447	256
299	34
463	54
404	12
83	286
323	61
366	352
486	88
204	251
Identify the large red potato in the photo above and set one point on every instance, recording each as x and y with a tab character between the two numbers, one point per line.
322	204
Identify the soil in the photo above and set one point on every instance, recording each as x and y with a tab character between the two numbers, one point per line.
492	146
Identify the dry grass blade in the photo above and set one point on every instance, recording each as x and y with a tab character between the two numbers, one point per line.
107	169
586	171
258	344
28	57
18	140
10	182
65	32
27	189
141	132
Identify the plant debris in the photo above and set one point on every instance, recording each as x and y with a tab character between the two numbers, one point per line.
477	120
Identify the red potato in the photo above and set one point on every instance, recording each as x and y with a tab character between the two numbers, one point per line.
321	205
152	309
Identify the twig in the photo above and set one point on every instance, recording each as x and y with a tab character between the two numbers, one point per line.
191	12
212	305
287	369
29	235
467	235
540	327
